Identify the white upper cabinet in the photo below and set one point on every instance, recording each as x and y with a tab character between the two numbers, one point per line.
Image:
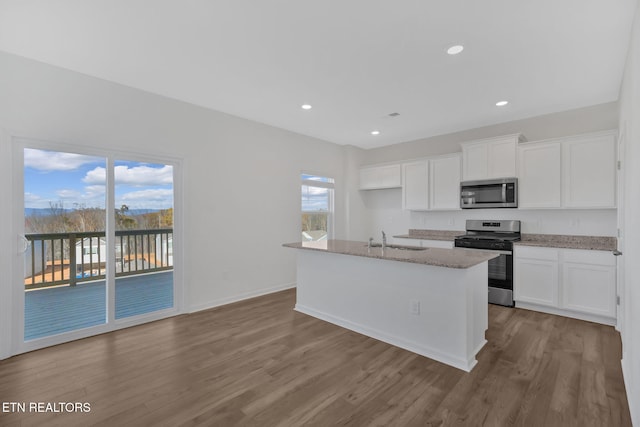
415	191
432	184
540	175
444	182
490	158
589	171
475	161
577	172
379	177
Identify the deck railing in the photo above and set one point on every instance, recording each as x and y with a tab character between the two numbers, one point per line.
69	258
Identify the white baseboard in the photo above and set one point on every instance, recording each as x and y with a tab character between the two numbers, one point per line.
465	365
240	297
566	313
634	408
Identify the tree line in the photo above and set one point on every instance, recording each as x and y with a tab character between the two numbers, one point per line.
57	219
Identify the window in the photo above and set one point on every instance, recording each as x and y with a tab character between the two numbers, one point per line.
91	251
317	207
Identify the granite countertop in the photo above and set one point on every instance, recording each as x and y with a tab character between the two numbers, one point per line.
596	243
447	235
451	258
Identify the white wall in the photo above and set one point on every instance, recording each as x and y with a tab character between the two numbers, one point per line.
582	120
241	178
356	212
630	300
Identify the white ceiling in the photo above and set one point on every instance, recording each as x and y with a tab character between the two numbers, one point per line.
355	61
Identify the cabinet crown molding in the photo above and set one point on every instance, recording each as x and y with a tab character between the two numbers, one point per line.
517	137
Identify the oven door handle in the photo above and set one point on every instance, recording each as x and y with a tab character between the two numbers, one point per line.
493	251
504	193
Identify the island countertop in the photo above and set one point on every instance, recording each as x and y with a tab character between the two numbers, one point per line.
450	258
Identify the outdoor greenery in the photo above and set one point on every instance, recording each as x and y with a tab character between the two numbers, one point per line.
57	219
314	221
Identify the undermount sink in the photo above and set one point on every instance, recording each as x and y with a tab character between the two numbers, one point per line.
401	247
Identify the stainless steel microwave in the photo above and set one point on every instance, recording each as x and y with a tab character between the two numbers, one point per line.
489	193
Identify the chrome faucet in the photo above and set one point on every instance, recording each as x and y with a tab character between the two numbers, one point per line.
384	240
370	242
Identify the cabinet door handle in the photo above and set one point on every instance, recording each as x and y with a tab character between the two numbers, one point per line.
617	253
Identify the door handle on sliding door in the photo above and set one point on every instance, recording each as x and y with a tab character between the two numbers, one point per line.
23	244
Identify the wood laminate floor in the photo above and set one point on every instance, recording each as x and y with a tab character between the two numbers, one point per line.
259	363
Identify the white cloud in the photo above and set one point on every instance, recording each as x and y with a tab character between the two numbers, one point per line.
94	190
35	201
147	199
68	194
55	160
135	176
313	191
96	176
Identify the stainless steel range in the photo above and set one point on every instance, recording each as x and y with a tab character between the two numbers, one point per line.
494	236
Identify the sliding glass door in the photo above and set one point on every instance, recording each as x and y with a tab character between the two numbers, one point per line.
64	226
98	243
143	238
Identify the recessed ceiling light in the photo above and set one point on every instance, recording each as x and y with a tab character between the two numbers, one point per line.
375	132
306	107
501	103
454	50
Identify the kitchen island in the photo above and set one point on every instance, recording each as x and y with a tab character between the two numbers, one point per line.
430	301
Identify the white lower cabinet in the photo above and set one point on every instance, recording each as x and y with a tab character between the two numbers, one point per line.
407	242
536	275
425	243
589	282
445	244
571	282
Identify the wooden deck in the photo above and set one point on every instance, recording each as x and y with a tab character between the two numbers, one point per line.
52	311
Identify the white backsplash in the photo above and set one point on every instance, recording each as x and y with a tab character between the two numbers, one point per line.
383	209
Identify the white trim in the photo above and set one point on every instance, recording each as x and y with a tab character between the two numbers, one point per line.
110	279
319	184
577	137
634	409
620	199
7	249
17	311
240	297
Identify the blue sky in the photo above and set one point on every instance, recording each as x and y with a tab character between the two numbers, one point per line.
315	199
76	180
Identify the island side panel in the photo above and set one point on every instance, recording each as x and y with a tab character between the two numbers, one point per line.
374	297
478	309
